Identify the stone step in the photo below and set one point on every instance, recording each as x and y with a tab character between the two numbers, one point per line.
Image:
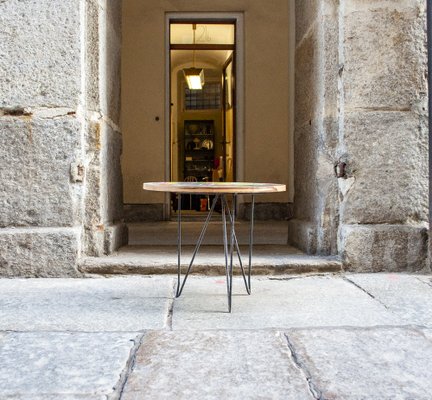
267	260
165	232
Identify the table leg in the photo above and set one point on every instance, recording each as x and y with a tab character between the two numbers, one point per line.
247	285
197	246
179	243
229	248
225	242
232	245
251	232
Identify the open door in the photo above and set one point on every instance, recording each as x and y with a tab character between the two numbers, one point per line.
202	118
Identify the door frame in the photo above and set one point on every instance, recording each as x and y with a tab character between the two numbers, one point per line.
238	19
230	60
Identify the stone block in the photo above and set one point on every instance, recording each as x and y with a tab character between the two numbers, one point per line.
40	53
306	14
303	234
164	233
94	229
62	365
39	252
179	364
378	363
94	217
265	211
103	57
387	157
143	212
111	174
330	79
317	68
104	194
315	200
376	248
305	181
35	161
92	54
111	59
385	55
308	78
115	236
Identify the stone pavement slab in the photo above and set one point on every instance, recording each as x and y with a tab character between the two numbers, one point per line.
365	363
425	278
407	296
63	396
62	365
296	337
119	304
215	365
427	332
276	303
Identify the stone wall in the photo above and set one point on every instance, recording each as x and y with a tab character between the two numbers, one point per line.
103	230
40	136
316	207
385	136
58	132
361	82
360	100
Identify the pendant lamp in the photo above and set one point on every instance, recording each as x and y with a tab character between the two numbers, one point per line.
194	76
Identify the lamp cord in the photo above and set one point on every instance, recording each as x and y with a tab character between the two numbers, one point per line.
193	56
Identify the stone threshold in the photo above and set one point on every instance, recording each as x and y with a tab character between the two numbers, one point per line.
165	232
267	260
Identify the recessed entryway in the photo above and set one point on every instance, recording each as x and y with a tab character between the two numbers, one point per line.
261	150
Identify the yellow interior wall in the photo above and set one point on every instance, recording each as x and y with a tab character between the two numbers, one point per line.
266	125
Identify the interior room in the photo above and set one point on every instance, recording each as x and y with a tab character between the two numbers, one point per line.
202	93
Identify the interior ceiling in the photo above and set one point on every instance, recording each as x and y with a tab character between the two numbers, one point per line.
204	34
203	58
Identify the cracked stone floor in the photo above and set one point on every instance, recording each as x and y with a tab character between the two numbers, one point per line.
342	336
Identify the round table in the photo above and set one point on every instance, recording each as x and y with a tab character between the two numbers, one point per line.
215	187
220	190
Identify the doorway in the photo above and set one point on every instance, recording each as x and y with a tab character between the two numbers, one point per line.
203	136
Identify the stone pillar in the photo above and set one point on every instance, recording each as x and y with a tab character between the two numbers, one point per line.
40	137
59	141
384	140
361	103
103	230
315	223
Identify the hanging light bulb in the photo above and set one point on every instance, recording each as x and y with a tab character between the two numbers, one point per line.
194	76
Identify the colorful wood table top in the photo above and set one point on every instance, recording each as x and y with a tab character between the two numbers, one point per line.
215	187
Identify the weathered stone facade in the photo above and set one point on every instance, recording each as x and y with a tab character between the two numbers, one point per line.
60	141
361	100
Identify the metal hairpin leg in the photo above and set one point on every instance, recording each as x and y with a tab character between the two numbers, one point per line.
197	246
251	232
232	244
225	242
247	284
228	247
